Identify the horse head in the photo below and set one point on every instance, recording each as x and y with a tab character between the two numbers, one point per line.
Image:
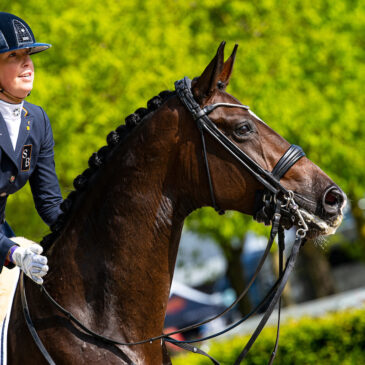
320	200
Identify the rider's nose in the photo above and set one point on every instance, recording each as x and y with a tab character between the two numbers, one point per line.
333	200
27	60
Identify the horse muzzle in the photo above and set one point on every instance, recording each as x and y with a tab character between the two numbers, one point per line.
330	214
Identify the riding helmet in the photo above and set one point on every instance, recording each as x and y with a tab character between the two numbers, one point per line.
15	34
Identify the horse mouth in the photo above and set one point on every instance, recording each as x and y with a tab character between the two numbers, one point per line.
318	226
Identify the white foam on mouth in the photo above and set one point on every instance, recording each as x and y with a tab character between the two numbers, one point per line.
322	225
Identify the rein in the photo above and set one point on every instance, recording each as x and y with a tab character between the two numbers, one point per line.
276	200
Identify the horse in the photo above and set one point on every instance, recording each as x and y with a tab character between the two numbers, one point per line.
112	252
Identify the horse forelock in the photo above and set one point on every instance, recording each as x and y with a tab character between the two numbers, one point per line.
100	158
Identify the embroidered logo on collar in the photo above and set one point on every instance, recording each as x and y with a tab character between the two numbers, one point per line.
26	157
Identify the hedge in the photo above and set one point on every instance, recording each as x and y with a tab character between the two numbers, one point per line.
337	338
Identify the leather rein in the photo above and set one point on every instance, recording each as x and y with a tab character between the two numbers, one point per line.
276	203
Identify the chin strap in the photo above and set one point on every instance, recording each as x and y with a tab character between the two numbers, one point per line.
13	98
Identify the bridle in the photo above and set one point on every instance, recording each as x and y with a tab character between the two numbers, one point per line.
275	203
270	180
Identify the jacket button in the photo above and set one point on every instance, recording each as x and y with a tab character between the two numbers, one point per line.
12	179
3	194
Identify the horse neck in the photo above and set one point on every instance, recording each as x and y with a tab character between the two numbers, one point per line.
120	248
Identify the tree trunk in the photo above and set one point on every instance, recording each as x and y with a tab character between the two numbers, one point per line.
235	274
359	217
316	271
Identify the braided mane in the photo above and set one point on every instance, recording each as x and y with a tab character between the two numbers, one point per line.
97	160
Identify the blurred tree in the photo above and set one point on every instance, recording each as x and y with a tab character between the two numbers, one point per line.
316	272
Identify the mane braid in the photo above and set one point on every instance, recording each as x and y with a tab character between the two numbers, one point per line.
97	160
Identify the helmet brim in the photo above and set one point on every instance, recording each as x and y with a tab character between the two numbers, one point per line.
39	47
34	47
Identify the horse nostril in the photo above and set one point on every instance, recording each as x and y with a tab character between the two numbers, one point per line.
333	200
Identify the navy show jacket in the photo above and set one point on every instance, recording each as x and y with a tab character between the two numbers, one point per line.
33	160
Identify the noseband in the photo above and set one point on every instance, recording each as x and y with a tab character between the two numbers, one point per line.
276	202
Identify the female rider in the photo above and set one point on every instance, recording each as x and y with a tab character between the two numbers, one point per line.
26	144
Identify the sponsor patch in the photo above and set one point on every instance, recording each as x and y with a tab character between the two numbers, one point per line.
26	157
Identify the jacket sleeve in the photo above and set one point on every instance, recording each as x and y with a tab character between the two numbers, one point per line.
43	181
5	244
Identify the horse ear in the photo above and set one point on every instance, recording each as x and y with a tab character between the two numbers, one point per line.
204	86
225	75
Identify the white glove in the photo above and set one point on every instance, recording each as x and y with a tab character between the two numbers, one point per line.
31	262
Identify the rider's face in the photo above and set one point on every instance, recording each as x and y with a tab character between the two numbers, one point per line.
16	73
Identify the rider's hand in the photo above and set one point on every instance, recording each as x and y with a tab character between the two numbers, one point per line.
31	262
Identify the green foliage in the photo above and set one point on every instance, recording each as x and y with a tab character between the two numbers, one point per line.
299	66
227	230
337	338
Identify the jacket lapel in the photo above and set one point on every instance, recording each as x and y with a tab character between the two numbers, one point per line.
5	142
24	131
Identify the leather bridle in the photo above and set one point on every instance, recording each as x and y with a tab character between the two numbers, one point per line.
270	180
275	203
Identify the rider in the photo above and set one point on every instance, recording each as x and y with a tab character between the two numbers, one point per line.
26	144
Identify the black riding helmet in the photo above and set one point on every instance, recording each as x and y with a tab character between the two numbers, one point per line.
15	34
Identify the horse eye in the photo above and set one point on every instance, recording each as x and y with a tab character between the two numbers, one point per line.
243	129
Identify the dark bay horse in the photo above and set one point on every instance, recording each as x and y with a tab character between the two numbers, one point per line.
113	250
